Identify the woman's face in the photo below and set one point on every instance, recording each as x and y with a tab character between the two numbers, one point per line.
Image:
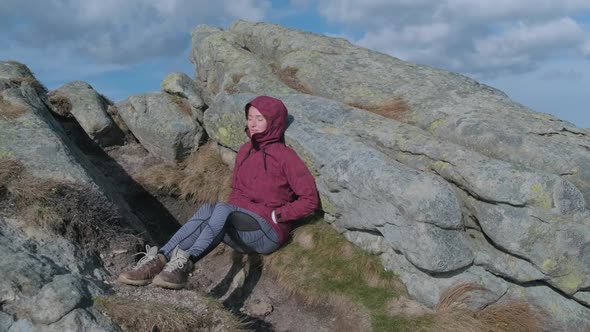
256	121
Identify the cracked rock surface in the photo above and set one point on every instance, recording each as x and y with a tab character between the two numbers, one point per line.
467	186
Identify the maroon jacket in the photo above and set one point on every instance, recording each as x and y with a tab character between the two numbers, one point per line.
269	176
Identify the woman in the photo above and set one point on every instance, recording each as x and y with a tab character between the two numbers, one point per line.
271	187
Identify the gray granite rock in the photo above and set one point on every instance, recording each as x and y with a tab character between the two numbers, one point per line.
161	125
180	85
6	321
89	109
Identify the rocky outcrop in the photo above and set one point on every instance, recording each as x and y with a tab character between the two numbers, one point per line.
450	182
180	86
46	279
89	108
161	124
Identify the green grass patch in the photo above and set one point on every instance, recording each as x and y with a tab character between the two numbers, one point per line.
320	264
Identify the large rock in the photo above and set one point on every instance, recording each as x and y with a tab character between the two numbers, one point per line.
181	86
161	125
377	180
46	280
89	109
451	106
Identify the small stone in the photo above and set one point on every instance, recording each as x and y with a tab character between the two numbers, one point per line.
257	308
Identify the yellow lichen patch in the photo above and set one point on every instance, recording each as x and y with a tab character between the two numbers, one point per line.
571	282
435	125
549	265
540	197
327	205
440	166
223	134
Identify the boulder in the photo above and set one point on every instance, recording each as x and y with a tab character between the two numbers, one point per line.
89	109
182	87
161	125
46	279
392	174
451	106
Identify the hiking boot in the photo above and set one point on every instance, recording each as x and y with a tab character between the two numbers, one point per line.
146	269
175	273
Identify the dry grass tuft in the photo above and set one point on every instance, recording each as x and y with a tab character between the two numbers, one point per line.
77	212
202	178
396	109
513	316
209	178
9	169
61	103
235	79
162	179
10	111
458	297
33	82
288	75
453	313
148	315
182	103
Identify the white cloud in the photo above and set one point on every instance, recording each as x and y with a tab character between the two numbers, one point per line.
111	31
485	37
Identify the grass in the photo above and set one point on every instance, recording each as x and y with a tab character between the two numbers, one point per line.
33	82
182	103
61	103
321	267
74	211
235	79
396	108
202	178
288	75
10	111
146	315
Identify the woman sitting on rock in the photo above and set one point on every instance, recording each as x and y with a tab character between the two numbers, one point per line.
271	187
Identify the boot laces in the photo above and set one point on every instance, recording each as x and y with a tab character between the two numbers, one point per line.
147	257
177	262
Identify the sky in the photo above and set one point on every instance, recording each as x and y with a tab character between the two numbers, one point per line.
536	51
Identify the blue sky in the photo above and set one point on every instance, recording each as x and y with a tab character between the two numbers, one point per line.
537	51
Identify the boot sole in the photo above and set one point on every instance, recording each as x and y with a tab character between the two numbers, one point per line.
132	282
165	284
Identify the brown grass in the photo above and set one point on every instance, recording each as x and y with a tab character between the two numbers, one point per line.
33	82
10	111
202	178
453	313
77	212
9	169
459	297
182	103
235	79
162	179
288	75
209	178
61	103
146	315
396	109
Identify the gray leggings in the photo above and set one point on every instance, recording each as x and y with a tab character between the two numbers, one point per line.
209	226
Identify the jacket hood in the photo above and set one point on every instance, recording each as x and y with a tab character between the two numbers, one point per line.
275	113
